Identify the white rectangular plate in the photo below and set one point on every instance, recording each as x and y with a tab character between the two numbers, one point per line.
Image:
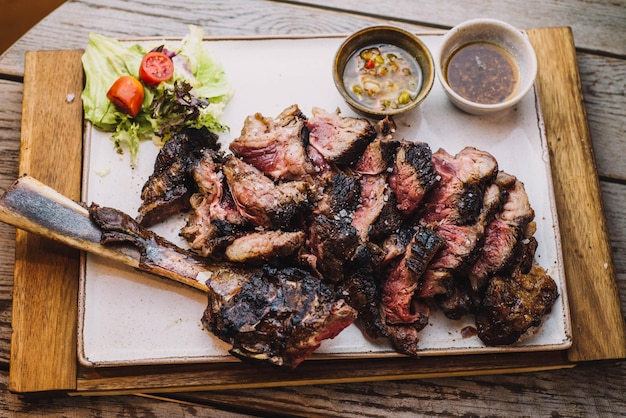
131	318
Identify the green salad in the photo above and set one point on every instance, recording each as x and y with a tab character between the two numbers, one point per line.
193	93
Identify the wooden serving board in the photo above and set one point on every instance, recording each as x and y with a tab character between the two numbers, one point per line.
44	342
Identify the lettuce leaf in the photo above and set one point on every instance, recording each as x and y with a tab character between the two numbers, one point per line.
195	70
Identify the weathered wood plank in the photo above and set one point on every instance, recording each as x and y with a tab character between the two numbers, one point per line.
114	406
614	202
568	393
604	91
125	19
597	26
590	280
45	289
10	117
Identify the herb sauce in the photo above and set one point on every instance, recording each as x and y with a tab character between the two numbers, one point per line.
382	77
483	73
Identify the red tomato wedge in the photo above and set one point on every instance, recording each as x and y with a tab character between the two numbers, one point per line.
127	95
155	68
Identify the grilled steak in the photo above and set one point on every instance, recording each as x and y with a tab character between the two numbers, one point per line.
339	196
303	237
170	186
392	228
379	154
412	176
458	198
278	316
360	288
375	215
340	140
263	246
277	147
513	304
505	237
214	221
260	200
331	241
400	308
462	230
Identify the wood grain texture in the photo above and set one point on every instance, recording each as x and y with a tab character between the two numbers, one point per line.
167	18
604	92
238	375
10	117
596	25
589	269
12	405
558	393
614	200
46	274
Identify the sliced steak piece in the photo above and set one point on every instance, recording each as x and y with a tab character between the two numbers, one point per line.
331	241
276	146
278	316
405	338
375	195
458	198
214	220
512	305
395	244
505	243
169	187
340	140
461	247
360	287
256	247
388	221
380	154
262	202
412	176
460	243
402	279
340	195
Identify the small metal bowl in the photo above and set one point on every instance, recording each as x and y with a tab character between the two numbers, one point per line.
378	35
494	32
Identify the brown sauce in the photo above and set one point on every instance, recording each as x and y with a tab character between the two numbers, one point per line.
469	331
483	73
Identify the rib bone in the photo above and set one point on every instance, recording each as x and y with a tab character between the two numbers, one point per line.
34	207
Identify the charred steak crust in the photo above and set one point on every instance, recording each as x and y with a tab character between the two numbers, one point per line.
279	316
169	187
512	305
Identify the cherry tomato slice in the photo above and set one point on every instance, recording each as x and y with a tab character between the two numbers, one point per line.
127	95
155	67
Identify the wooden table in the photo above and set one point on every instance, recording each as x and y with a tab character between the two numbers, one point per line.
590	388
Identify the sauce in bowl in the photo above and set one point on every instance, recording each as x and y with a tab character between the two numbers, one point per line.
483	73
382	77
